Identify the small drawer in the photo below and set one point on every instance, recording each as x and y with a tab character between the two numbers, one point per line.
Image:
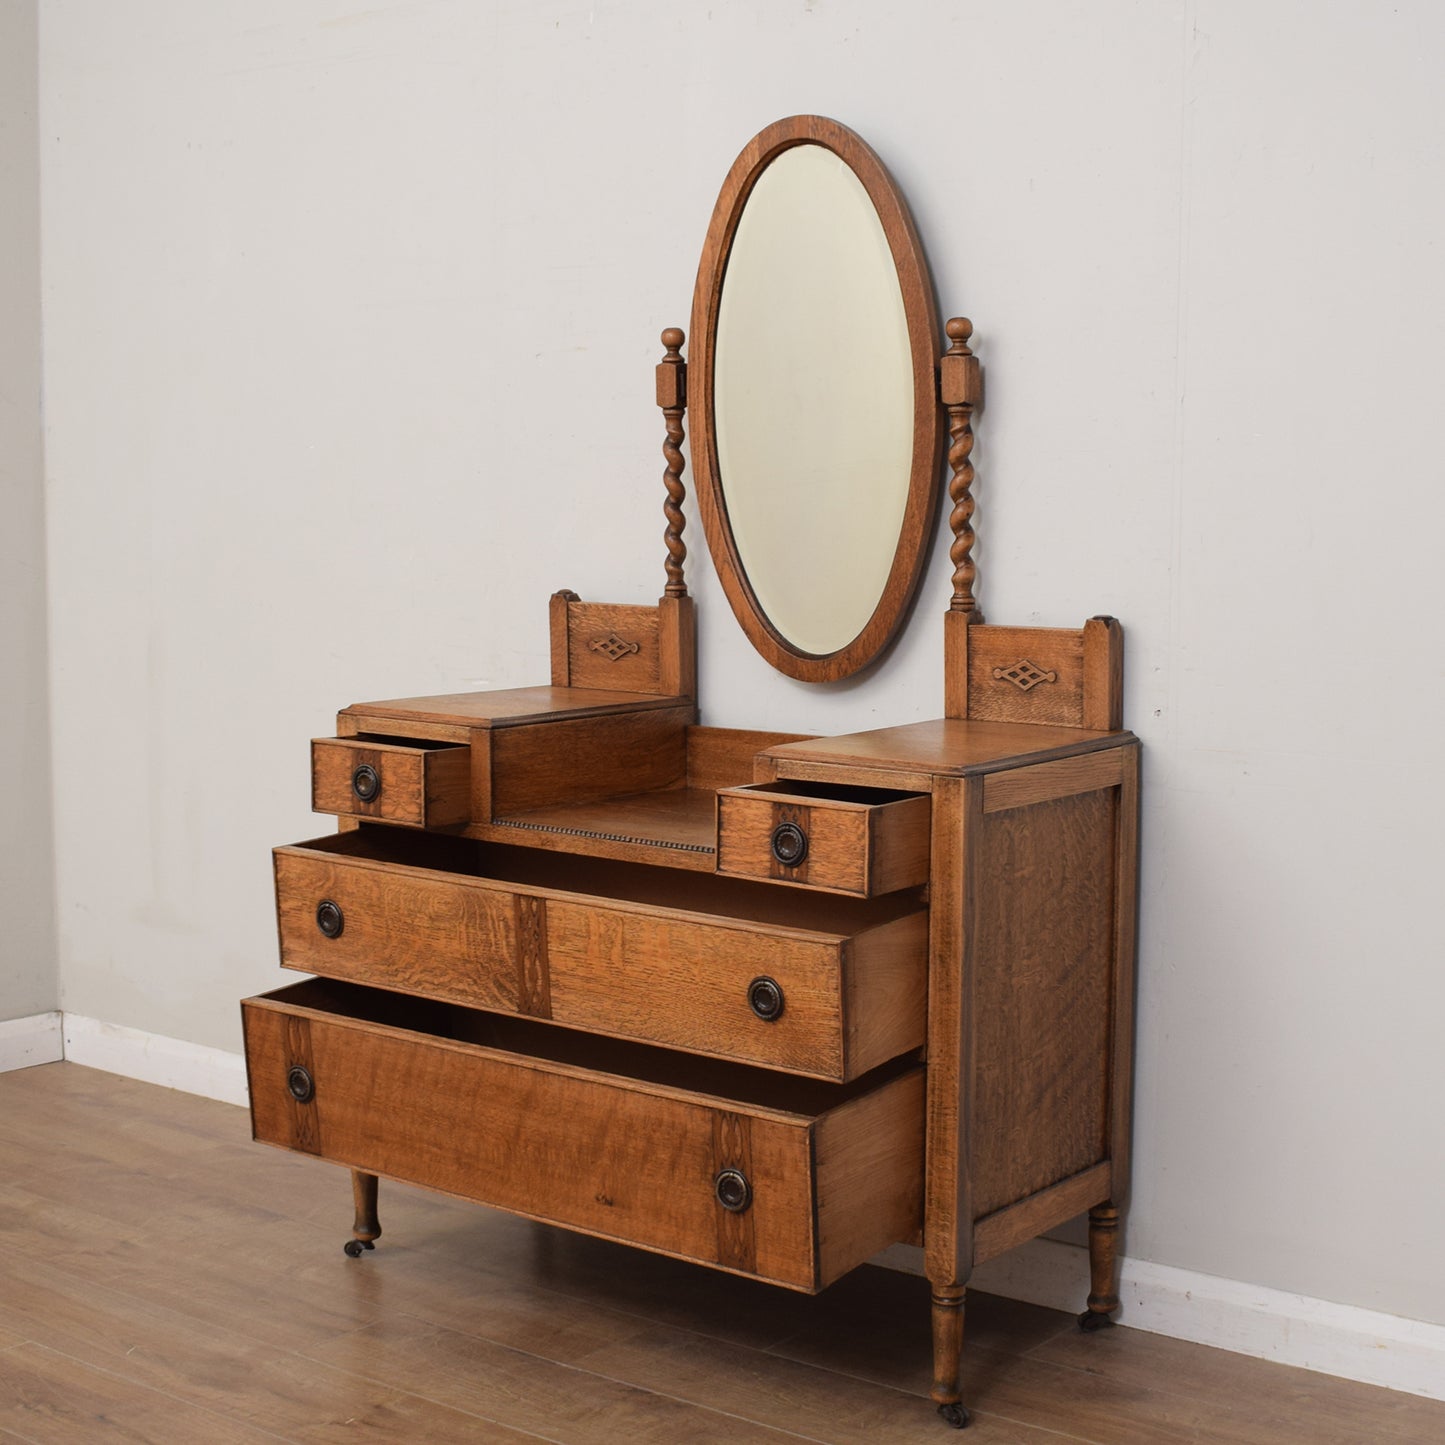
392	780
845	839
811	984
783	1179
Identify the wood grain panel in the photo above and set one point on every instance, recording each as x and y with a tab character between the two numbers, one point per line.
1055	653
732	1146
684	983
578	761
885	987
852	973
870	1175
613	646
403	929
1121	1033
723	757
1043	962
946	746
502	707
534	969
605	1154
1013	1225
853	847
677	646
1018	787
953	933
422	786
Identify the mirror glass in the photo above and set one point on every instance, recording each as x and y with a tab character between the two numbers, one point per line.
813	399
812	396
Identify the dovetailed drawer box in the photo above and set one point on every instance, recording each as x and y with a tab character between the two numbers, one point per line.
418	784
810	984
785	1179
845	839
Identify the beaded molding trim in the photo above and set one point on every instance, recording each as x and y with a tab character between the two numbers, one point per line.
604	837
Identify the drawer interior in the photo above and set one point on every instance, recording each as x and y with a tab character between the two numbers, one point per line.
385	740
810	791
611	880
716	1080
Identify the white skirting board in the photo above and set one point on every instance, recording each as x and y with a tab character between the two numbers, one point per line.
1270	1324
32	1040
1335	1339
155	1059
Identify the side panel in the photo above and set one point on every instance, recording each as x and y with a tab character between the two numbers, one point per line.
1043	965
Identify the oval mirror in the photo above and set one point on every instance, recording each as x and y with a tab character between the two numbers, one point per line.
815	421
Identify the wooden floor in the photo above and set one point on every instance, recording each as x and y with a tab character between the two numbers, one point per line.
164	1279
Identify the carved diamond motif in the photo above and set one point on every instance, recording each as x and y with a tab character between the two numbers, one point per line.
1024	675
613	647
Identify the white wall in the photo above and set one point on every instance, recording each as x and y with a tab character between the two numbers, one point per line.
28	979
350	323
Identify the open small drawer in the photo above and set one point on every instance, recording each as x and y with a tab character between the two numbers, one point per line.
392	780
834	836
783	1179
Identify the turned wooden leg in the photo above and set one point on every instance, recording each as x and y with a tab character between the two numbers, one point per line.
366	1229
947	1353
1103	1268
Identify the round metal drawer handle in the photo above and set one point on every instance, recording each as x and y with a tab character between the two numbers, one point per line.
790	844
733	1191
329	918
301	1084
765	998
366	783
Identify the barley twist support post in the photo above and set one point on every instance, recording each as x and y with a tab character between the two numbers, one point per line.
672	398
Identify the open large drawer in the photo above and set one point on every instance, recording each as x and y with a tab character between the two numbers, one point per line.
786	1179
823	986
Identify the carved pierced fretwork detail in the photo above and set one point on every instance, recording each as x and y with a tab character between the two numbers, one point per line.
1024	675
613	647
671	397
960	387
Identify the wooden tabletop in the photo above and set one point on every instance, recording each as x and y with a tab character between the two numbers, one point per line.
949	746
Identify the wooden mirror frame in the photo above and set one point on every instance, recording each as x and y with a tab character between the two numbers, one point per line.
922	319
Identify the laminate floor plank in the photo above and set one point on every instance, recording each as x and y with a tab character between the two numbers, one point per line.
1340	1412
569	1405
817	1403
442	1291
276	1392
666	1291
1142	1410
45	1397
162	1278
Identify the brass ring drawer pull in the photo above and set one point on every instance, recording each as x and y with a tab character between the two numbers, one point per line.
366	783
790	844
765	998
733	1191
329	918
301	1084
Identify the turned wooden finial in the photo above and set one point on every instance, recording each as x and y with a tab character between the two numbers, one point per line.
672	398
961	389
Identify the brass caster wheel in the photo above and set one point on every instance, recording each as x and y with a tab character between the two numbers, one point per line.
1092	1321
353	1247
954	1415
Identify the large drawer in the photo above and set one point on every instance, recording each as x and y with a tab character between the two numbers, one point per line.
814	985
847	839
785	1179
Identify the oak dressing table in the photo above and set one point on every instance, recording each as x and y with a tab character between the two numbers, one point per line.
766	1002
